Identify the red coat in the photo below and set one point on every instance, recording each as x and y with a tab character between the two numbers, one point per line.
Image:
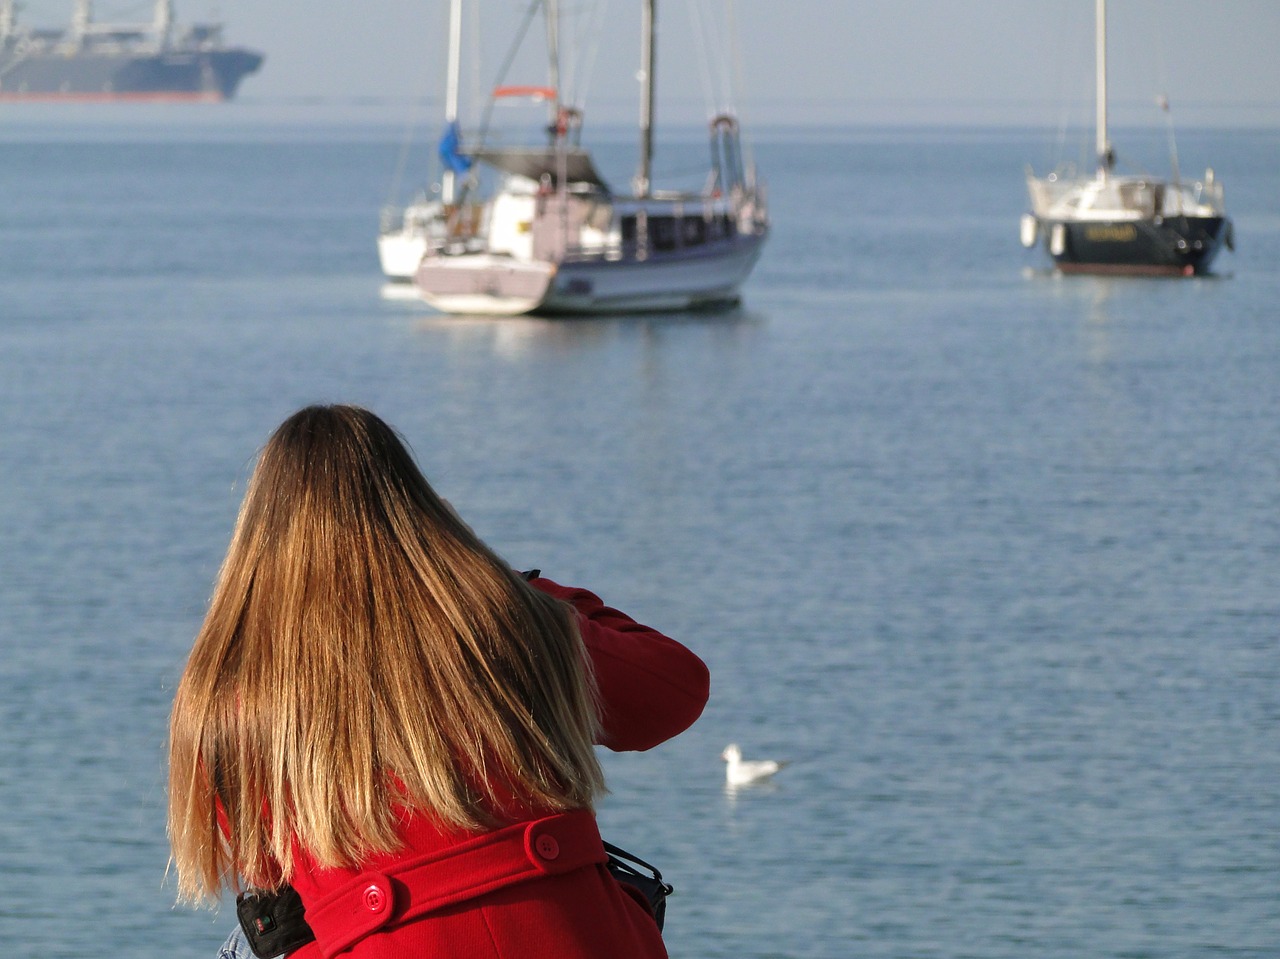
565	905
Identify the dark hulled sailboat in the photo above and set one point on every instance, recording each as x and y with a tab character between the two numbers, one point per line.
1112	223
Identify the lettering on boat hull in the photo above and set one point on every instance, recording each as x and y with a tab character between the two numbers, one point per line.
1111	233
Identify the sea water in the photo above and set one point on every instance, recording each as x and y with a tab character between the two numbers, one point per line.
992	556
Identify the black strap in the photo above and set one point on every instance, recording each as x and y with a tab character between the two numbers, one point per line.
654	889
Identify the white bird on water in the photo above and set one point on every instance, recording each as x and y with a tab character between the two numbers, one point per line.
742	772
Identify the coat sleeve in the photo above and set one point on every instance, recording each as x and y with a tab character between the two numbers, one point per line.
651	687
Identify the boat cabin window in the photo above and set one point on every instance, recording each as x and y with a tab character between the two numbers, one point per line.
662	232
721	225
673	232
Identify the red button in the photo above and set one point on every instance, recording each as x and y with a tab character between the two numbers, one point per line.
547	847
375	900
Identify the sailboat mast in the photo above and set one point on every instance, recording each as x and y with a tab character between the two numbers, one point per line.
647	61
1103	145
553	54
447	178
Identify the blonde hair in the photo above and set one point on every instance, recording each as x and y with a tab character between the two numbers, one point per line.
363	650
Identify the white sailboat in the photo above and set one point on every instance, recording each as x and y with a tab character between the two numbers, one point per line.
553	237
1112	223
406	233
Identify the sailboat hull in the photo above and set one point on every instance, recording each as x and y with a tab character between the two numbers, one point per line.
484	284
1159	246
479	283
706	278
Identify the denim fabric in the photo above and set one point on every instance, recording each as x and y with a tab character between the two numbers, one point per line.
236	947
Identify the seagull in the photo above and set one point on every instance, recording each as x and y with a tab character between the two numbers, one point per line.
742	772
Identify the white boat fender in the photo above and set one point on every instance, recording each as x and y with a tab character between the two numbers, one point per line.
1231	237
1030	230
1058	239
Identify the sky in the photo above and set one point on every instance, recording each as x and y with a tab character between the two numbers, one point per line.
806	62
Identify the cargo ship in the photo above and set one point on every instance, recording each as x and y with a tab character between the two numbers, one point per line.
153	60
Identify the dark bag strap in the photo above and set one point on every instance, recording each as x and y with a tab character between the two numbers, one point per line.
655	890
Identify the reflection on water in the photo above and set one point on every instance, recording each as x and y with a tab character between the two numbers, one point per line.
400	293
527	336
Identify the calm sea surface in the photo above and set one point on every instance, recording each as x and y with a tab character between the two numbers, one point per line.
991	555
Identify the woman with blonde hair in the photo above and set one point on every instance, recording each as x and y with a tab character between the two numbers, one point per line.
382	716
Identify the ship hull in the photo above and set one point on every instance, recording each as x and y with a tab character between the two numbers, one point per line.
205	75
1160	246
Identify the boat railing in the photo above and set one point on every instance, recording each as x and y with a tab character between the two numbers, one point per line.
1048	191
390	220
1140	195
1209	191
454	228
1144	197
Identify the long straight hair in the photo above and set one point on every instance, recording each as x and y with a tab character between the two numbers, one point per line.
365	653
